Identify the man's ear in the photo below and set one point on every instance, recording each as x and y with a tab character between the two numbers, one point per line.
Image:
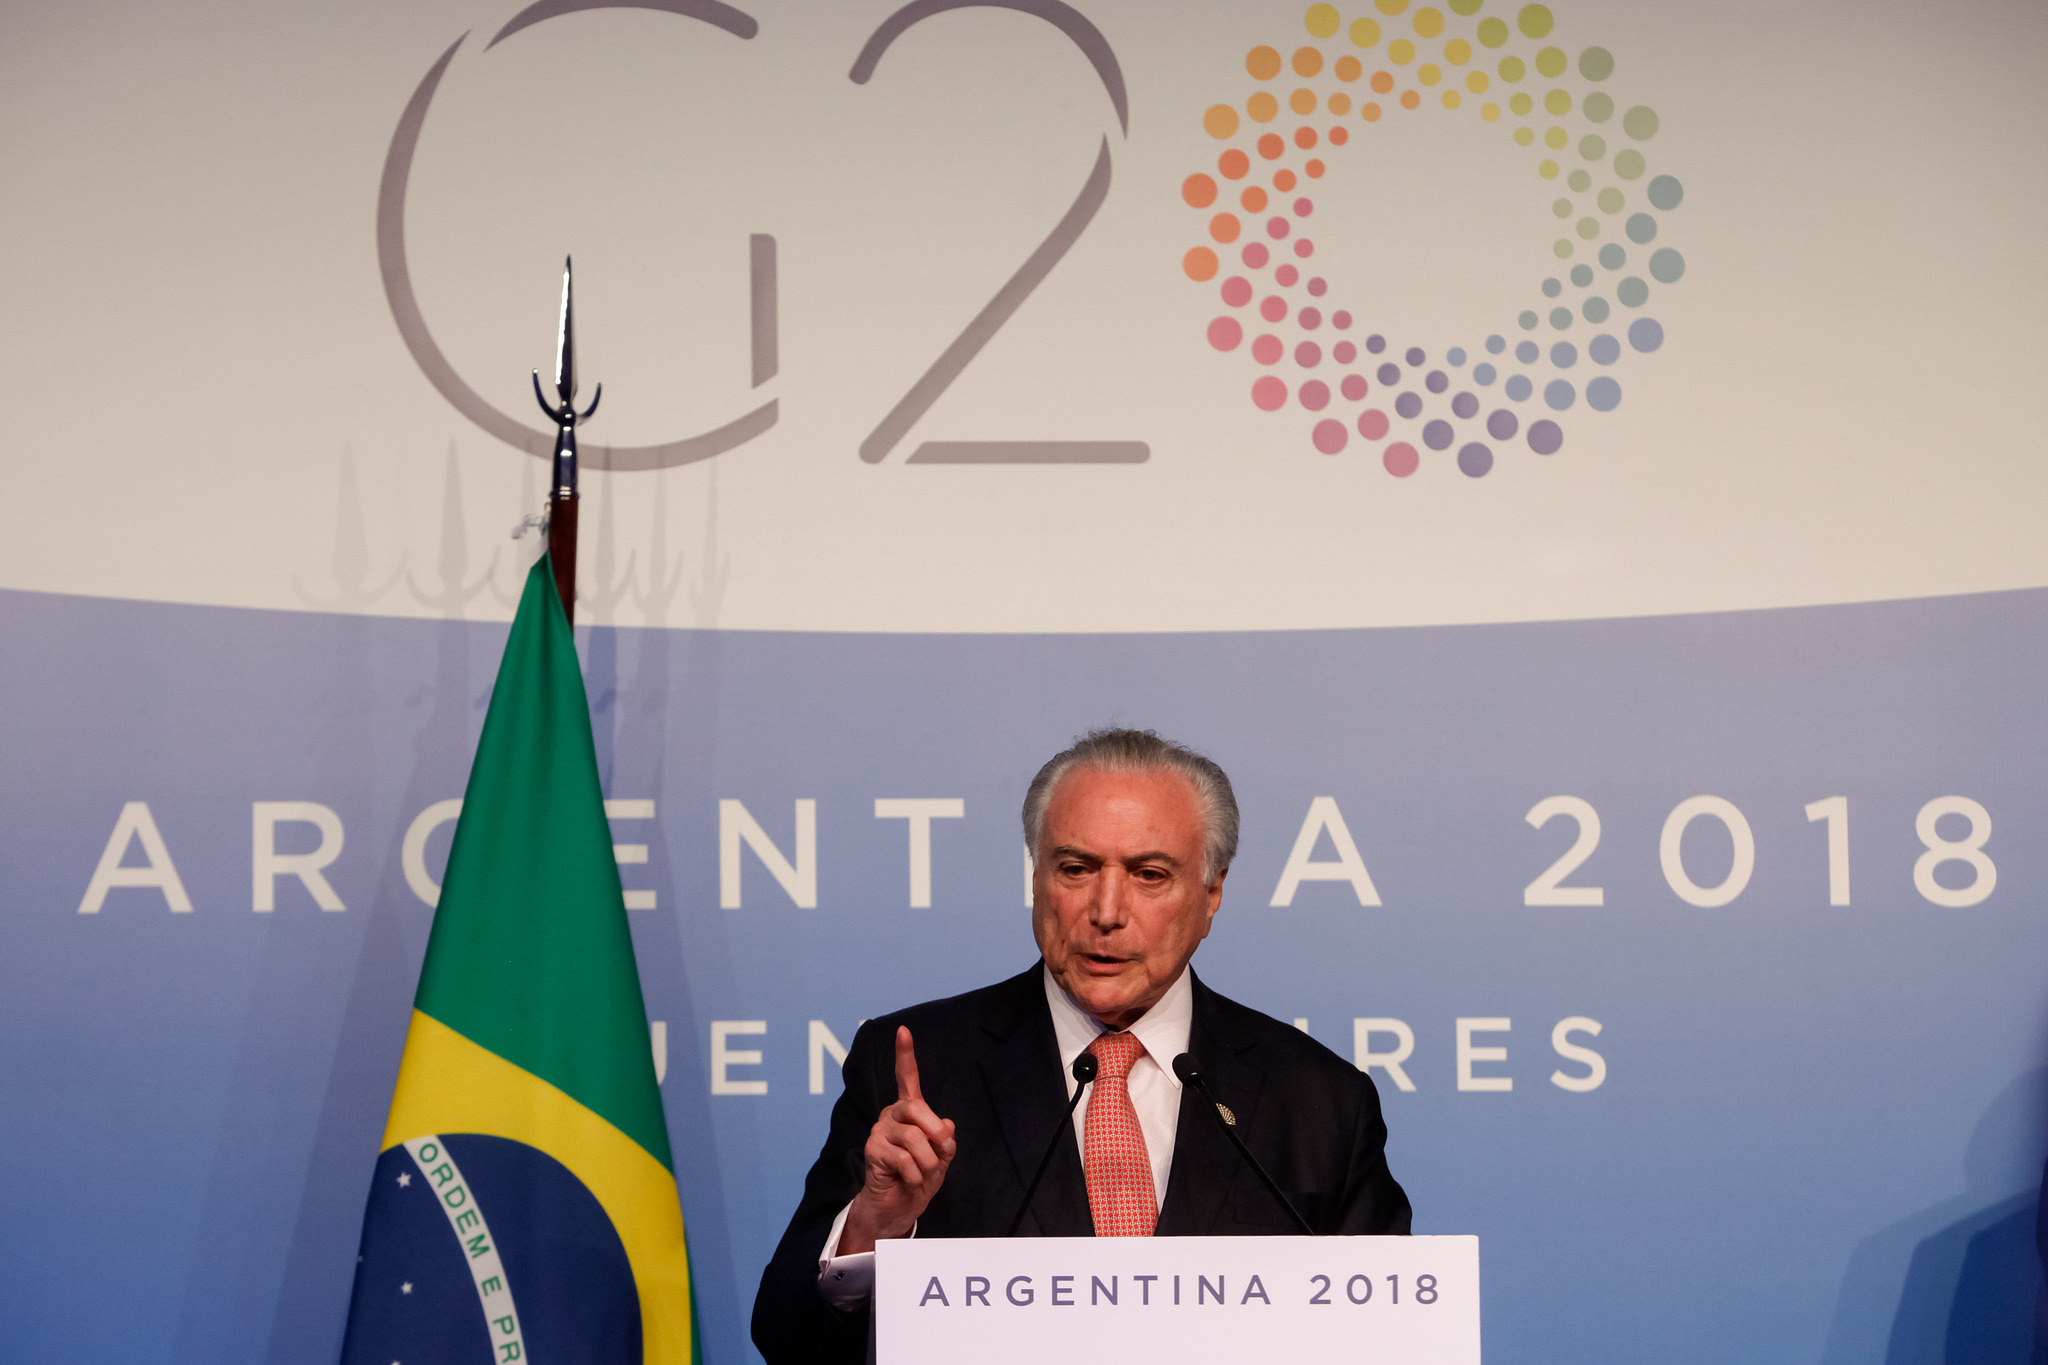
1216	893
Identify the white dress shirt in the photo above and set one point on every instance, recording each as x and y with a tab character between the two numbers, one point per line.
849	1281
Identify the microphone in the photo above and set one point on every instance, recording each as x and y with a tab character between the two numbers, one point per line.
1085	1067
1190	1074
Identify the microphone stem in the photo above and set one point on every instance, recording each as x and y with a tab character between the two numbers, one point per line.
1045	1162
1230	1131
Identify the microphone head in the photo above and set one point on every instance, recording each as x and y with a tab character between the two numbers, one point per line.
1185	1068
1085	1067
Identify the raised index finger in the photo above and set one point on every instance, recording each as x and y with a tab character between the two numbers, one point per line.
907	1087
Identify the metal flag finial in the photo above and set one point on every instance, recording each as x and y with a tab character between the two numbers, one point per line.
565	346
562	493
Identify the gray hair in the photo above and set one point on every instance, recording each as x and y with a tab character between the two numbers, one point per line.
1140	752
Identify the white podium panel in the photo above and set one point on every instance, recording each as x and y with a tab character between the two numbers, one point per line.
1388	1300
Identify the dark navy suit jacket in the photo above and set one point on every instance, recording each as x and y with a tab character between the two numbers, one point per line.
989	1061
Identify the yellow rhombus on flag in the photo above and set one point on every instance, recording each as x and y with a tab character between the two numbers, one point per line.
525	1201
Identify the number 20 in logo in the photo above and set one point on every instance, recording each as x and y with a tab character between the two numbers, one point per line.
1258	254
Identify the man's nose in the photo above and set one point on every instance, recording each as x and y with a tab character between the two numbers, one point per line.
1111	906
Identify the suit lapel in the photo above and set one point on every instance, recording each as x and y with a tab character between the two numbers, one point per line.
1021	1070
1206	1167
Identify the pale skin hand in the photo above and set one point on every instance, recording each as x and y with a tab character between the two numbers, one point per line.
907	1153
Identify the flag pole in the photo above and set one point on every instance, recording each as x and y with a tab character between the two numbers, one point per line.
562	495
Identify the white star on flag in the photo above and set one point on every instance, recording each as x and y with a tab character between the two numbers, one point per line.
405	1288
404	1179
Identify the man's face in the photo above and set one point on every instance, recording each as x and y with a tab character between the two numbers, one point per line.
1117	899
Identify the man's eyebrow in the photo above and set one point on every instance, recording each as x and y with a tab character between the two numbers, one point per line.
1155	856
1152	856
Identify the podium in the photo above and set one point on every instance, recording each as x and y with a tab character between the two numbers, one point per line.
1389	1300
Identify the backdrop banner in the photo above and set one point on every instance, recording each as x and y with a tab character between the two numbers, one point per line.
1739	1051
1566	461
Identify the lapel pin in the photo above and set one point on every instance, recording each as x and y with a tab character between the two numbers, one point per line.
1224	1110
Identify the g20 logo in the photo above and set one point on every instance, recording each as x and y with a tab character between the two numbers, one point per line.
1357	80
1257	203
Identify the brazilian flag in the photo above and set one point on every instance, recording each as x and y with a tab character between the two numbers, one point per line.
525	1199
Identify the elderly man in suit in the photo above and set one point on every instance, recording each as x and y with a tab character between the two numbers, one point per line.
948	1106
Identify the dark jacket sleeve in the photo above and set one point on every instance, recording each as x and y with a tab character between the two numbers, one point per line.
1372	1203
792	1321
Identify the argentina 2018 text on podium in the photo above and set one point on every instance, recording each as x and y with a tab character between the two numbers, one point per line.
1389	1300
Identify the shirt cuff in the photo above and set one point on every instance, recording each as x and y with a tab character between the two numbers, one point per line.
846	1282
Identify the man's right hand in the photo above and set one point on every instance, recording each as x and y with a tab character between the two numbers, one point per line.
907	1154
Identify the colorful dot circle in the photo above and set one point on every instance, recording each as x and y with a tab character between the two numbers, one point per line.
1225	333
1330	436
1475	461
1401	459
1545	437
1269	393
1372	424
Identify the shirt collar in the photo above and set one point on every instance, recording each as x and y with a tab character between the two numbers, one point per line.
1163	1029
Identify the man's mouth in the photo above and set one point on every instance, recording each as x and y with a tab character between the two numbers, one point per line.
1103	962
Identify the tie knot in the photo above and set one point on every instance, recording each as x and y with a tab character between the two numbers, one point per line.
1116	1052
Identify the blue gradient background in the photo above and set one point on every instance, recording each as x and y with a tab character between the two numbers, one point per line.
1822	1129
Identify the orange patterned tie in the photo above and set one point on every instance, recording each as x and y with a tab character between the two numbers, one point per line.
1113	1156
